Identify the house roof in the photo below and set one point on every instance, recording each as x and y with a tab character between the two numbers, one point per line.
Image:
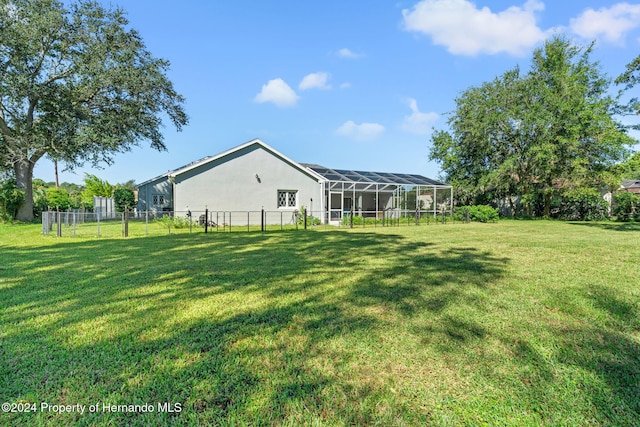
208	159
317	172
343	175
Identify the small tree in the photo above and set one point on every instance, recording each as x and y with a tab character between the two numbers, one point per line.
58	198
94	186
124	199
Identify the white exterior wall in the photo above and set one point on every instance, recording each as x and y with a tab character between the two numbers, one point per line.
229	184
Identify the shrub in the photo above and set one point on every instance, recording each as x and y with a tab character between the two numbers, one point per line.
10	199
478	213
58	198
583	204
124	199
311	220
626	206
167	221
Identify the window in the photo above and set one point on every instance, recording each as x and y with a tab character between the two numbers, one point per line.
287	198
158	199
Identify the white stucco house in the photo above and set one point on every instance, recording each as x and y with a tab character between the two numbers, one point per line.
254	176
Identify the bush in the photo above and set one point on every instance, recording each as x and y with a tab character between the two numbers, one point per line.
10	199
359	220
583	204
124	199
626	206
311	220
167	221
477	213
58	198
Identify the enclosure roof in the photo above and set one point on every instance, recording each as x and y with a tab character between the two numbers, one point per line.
343	175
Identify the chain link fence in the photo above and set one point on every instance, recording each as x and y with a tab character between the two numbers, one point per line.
136	224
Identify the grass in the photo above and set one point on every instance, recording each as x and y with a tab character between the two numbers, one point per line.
515	323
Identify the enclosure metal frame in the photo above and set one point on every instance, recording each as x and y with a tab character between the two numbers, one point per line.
398	194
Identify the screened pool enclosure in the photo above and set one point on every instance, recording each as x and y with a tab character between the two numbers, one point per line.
382	195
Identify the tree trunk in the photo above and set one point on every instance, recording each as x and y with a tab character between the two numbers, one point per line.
24	180
547	205
55	166
512	206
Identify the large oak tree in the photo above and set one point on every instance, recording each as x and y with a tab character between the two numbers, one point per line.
526	134
76	85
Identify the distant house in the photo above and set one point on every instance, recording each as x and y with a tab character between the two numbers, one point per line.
254	176
632	186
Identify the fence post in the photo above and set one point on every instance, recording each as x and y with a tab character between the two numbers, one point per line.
59	218
206	220
262	220
305	218
126	222
351	219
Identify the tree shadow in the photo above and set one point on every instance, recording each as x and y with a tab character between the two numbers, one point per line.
243	328
610	226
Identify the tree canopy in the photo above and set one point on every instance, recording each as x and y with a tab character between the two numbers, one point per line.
529	134
76	85
629	79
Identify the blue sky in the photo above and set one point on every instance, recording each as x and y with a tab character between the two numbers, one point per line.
346	84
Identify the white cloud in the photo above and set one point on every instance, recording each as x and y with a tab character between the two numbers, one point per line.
466	30
418	123
278	92
361	132
347	53
345	85
610	23
315	81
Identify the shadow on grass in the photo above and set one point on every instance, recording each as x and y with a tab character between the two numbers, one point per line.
238	328
610	226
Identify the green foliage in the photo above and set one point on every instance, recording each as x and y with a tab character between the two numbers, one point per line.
477	213
629	79
311	220
94	186
58	198
630	169
359	220
520	134
626	206
40	203
124	199
77	85
583	204
168	222
10	199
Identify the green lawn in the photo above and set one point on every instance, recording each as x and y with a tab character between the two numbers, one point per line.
515	323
